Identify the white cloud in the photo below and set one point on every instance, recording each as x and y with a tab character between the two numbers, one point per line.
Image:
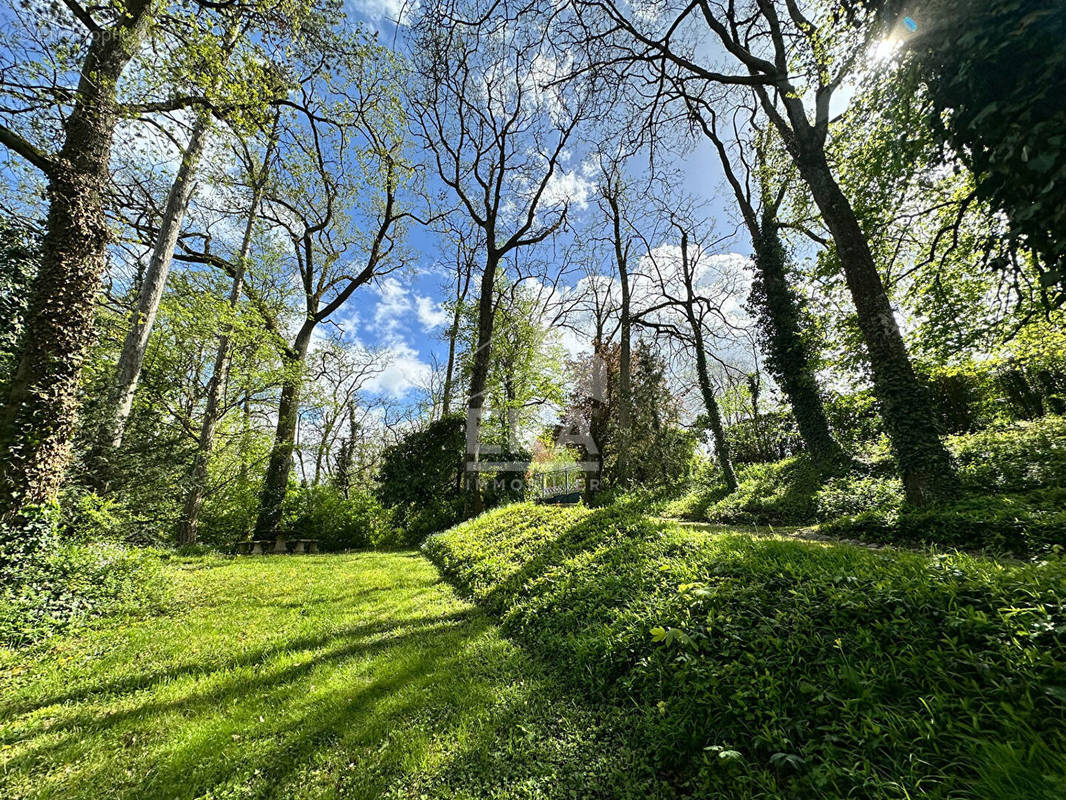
431	313
395	303
405	371
568	187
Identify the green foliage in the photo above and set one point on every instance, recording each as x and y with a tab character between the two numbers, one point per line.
781	493
1013	458
1031	524
855	493
410	523
424	465
853	418
338	521
86	517
772	437
996	77
49	584
763	667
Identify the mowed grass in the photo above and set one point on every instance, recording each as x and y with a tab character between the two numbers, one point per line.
352	676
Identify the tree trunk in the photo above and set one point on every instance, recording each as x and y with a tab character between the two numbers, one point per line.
39	411
625	359
479	375
714	416
703	375
276	480
197	481
194	498
925	466
453	333
788	354
128	370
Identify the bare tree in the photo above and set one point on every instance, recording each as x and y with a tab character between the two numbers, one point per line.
793	63
497	134
685	309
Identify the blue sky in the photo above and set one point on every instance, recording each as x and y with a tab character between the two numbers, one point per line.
403	313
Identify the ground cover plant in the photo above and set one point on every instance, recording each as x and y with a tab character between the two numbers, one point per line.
768	667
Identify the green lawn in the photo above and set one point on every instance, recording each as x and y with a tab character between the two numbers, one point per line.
303	677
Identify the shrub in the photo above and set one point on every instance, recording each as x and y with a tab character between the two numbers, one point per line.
411	523
423	466
764	667
339	523
49	585
770	438
856	493
87	517
1028	525
1014	458
781	493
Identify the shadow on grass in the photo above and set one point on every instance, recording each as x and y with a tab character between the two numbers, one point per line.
424	700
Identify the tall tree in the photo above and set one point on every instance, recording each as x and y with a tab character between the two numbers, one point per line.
215	65
40	403
793	59
684	309
340	195
774	302
497	134
257	175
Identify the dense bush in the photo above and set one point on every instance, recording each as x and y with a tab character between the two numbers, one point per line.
774	668
856	493
339	522
781	493
772	437
425	465
1013	458
410	523
48	584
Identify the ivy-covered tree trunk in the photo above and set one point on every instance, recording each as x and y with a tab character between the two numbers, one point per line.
714	417
41	402
479	374
788	354
924	464
131	359
279	467
703	374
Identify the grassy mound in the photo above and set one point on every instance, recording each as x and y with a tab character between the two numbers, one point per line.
763	667
1013	499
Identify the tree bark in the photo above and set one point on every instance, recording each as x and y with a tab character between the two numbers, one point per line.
479	374
625	358
925	466
789	355
276	480
39	410
130	361
703	374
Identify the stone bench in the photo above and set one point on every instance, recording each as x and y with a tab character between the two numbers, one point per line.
280	544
